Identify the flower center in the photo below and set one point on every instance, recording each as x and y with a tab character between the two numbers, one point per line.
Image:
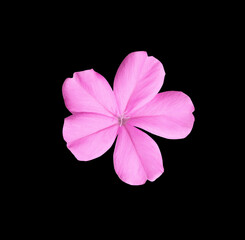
122	120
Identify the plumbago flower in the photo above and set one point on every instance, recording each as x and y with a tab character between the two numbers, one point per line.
100	114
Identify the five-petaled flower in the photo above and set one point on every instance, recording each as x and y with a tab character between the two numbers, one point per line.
100	114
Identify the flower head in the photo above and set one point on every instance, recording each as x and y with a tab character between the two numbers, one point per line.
100	114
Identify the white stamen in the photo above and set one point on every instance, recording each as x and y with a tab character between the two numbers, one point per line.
122	120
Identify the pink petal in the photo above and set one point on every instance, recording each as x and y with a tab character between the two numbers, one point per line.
136	156
137	81
168	115
89	135
88	91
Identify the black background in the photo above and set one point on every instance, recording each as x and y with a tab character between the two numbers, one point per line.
61	44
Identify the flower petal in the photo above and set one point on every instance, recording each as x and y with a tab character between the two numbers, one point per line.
138	79
89	135
168	115
136	156
88	91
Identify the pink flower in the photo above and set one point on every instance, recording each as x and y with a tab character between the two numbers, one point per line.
100	114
